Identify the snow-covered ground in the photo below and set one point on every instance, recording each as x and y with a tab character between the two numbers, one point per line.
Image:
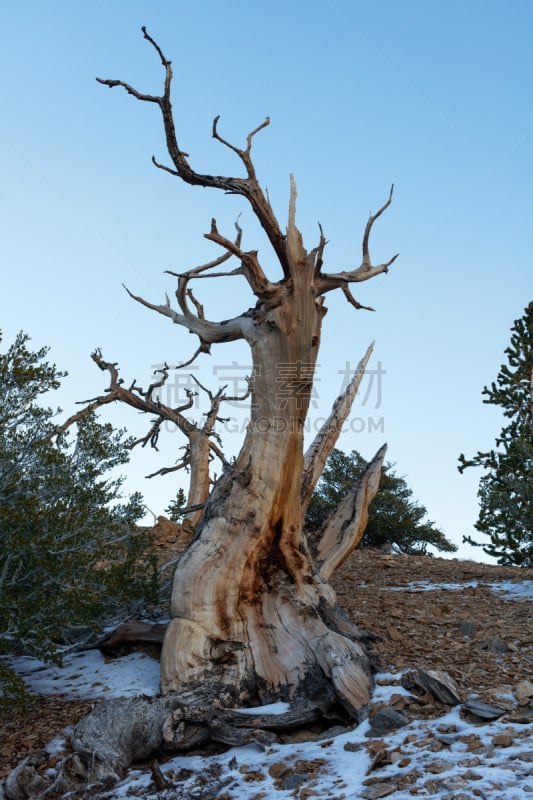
448	757
511	590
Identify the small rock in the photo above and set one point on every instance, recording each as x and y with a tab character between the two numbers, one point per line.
352	747
375	746
395	756
524	691
387	719
436	682
501	697
504	739
446	738
381	759
453	782
472	741
473	761
482	710
495	646
378	790
437	767
523	717
278	770
394	635
467	628
436	746
336	730
471	775
447	728
398	700
294	780
526	756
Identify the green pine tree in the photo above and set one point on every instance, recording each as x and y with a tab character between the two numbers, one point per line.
395	519
506	490
174	510
71	554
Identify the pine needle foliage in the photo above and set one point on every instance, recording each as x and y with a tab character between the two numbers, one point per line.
71	554
506	489
395	520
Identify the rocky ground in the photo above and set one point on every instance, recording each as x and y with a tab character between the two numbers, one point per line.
483	639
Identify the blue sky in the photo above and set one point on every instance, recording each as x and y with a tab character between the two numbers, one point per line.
433	97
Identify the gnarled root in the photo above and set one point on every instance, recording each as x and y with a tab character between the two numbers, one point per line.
120	732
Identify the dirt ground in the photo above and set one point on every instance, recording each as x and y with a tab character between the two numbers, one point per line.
483	639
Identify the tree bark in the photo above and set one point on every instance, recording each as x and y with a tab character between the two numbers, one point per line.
251	612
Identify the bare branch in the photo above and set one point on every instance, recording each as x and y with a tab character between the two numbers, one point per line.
156	47
345	527
318	252
208	332
244	155
141	400
327	281
92	406
157	385
193	273
216	401
351	299
219	138
164	167
248	187
188	509
201	349
149	98
166	470
295	246
201	448
369	224
242	397
230	274
251	135
320	448
250	266
151	437
198	306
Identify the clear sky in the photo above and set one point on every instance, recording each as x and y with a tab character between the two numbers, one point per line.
434	97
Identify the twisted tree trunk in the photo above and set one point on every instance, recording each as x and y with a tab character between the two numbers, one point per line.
253	616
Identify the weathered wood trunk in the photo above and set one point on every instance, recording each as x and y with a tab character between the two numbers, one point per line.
254	618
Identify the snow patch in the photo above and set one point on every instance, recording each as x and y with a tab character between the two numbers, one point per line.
515	591
273	708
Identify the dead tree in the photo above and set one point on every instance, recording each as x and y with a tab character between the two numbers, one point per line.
203	442
256	626
254	618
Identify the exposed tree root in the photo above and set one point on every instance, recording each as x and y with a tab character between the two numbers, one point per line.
124	731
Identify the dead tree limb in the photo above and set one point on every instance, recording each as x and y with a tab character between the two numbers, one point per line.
344	529
203	441
318	452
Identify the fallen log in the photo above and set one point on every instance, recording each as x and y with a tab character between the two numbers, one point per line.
124	731
128	635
